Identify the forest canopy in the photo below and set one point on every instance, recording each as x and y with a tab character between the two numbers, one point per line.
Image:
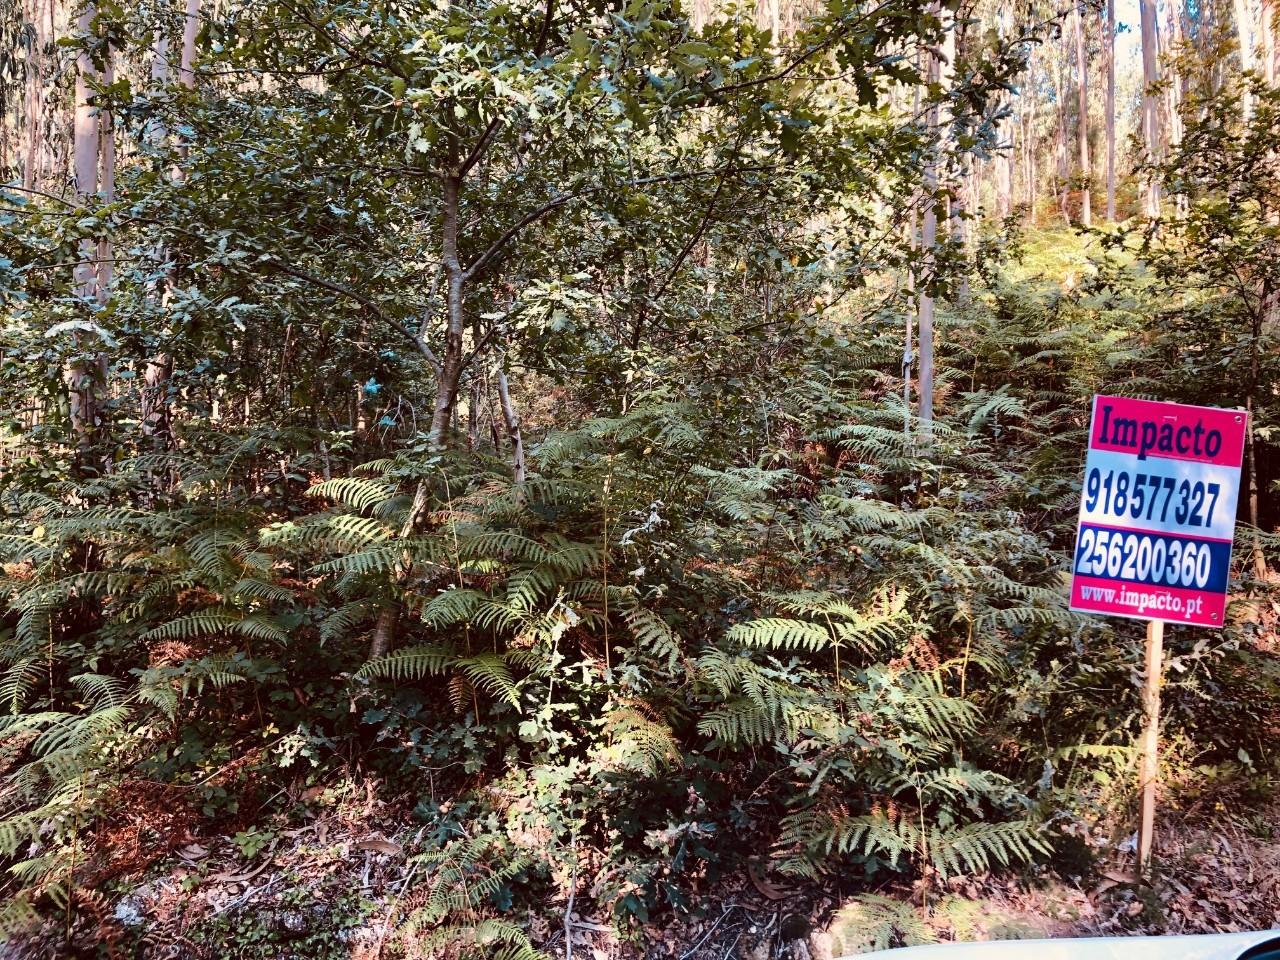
618	447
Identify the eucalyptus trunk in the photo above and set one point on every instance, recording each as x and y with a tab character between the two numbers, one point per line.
928	246
1110	47
1244	26
1082	100
1150	102
1060	144
106	179
82	372
1266	30
33	111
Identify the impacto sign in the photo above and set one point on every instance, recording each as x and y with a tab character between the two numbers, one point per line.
1158	511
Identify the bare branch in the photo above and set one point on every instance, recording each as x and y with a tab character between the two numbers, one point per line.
481	263
481	145
351	294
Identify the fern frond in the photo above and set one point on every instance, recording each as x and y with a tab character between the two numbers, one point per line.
409	663
777	633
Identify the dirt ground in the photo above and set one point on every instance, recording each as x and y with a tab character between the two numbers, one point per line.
344	873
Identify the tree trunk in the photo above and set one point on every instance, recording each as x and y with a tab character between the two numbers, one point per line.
86	145
957	225
1110	47
1266	310
1004	160
1082	100
107	179
157	426
35	84
157	415
1244	27
1150	104
455	278
1029	143
928	249
913	277
106	194
908	343
473	415
384	631
81	374
1176	92
1265	27
190	29
449	377
512	422
1060	143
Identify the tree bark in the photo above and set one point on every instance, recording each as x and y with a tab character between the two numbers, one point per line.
1267	308
1006	158
1082	100
190	29
928	249
1060	143
512	421
1150	104
449	376
384	631
81	374
473	414
958	178
33	114
1244	26
1266	27
1176	93
107	179
157	428
1110	46
1030	173
451	361
157	415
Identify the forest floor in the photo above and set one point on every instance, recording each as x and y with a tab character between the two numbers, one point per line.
325	888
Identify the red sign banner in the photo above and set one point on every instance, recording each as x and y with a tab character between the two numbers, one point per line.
1158	511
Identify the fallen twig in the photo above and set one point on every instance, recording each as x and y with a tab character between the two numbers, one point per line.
727	910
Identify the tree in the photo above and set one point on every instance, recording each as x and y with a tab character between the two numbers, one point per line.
1223	255
1150	103
1266	30
1109	51
1082	102
86	368
1244	36
929	237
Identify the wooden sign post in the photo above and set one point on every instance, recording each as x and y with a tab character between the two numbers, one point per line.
1157	518
1150	739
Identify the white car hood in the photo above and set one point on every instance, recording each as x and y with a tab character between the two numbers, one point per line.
1217	946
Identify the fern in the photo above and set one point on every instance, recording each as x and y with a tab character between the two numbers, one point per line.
896	835
359	493
774	633
410	663
639	742
464	875
489	671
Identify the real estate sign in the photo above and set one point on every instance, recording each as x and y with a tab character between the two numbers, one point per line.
1158	511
